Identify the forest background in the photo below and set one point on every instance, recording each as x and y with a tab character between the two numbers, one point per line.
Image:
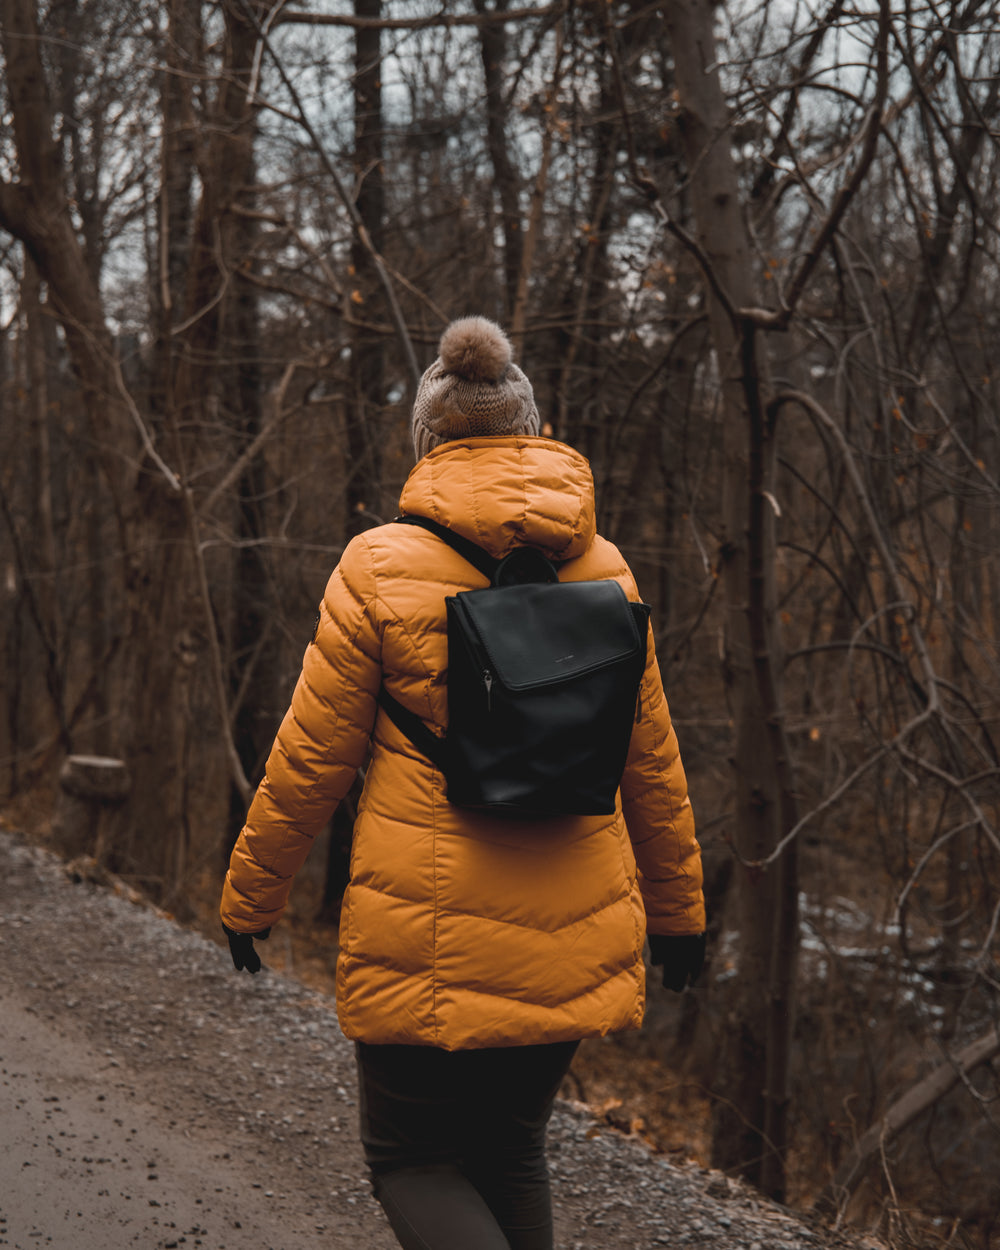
748	255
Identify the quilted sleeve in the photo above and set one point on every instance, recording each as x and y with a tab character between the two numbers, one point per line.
319	747
659	817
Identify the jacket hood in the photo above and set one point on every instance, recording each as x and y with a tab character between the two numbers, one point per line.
507	492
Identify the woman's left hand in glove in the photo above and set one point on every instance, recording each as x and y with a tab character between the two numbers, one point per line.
682	958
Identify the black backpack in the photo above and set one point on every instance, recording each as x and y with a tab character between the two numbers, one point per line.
543	683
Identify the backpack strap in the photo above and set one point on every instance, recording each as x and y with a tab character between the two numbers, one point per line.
477	556
411	726
409	723
522	564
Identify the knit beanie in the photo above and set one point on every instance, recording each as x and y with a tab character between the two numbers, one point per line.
473	388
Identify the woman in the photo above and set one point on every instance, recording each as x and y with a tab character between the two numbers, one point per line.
475	952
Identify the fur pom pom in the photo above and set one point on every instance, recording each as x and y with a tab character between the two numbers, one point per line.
475	349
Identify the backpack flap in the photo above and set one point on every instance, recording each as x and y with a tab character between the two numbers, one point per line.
541	634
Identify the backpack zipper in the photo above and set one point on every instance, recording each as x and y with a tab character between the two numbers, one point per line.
488	683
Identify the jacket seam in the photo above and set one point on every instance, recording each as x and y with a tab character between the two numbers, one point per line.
435	1016
476	915
626	968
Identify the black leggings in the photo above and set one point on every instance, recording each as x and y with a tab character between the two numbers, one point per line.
455	1142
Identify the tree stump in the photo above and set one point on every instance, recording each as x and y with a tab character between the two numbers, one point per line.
91	787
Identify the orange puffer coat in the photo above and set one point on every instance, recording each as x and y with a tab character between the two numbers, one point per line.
460	929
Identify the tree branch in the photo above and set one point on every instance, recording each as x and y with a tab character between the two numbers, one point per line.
779	319
352	210
440	18
917	1099
645	184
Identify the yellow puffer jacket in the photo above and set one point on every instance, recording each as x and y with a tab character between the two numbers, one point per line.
460	929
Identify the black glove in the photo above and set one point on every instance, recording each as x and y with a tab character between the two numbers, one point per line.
241	948
682	958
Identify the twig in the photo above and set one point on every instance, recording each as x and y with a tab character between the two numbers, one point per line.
917	1099
644	183
352	209
440	18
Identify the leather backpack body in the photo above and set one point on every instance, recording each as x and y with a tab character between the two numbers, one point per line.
543	687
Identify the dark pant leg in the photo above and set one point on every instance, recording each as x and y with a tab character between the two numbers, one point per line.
505	1142
455	1142
437	1208
410	1131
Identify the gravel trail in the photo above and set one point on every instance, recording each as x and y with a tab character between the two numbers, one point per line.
150	1097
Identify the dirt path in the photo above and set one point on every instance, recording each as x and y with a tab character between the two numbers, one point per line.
150	1097
88	1161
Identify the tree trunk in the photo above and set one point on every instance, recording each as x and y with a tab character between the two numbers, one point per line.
251	673
493	50
367	373
367	353
579	345
91	788
34	684
212	394
739	1142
